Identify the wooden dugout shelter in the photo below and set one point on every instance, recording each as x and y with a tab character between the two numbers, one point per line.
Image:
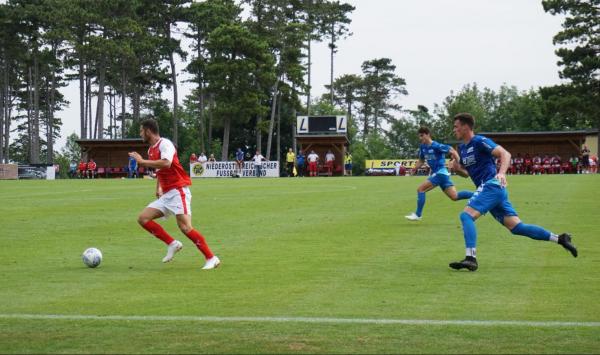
563	143
110	155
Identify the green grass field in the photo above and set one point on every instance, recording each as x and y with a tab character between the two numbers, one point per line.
320	259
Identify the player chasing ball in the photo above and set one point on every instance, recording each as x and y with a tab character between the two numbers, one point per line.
475	159
173	195
435	155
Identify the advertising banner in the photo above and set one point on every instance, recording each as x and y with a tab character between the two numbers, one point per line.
38	171
228	169
8	172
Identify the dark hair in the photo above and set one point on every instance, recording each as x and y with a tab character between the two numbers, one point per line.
465	118
424	130
150	125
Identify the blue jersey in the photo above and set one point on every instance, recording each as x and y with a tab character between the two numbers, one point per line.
132	163
239	155
300	159
435	155
476	156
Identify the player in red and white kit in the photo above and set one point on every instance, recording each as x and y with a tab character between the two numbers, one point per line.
173	193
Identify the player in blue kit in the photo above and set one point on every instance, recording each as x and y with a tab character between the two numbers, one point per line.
435	155
475	158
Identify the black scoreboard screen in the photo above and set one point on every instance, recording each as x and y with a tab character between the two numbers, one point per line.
322	124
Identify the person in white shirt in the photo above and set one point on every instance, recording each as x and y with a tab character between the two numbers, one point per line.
258	159
329	160
202	158
312	158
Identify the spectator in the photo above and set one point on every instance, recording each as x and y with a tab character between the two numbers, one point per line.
301	163
519	167
329	162
546	165
313	159
290	159
193	158
258	159
82	168
537	165
585	160
556	164
528	164
239	162
132	168
574	164
593	164
72	169
202	158
212	159
348	164
91	169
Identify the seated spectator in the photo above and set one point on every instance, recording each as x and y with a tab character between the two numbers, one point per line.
212	158
91	169
193	158
565	167
519	167
528	164
556	164
546	165
593	164
82	169
537	165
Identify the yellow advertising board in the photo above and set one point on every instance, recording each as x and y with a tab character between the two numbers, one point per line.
391	163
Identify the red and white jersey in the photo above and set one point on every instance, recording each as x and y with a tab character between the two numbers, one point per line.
174	176
91	165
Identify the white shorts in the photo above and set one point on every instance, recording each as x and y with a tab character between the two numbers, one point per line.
174	202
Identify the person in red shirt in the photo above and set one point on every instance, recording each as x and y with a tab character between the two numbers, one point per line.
519	167
528	164
91	169
81	169
556	164
537	165
547	165
173	193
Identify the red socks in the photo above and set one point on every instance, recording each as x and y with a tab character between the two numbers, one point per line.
158	231
200	242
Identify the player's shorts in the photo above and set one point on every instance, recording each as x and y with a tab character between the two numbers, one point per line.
348	166
174	202
312	166
441	180
493	198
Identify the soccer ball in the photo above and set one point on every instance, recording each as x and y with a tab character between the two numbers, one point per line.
92	257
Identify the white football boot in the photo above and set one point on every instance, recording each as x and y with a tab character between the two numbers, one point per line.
173	248
212	263
413	217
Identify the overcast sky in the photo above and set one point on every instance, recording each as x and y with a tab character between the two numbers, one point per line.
437	46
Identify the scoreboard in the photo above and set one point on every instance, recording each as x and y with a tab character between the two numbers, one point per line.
321	124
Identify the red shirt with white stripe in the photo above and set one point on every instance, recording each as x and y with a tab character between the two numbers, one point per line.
174	176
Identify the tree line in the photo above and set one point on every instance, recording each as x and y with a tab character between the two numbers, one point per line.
249	62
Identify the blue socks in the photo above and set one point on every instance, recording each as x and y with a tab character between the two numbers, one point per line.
420	203
469	231
464	195
532	231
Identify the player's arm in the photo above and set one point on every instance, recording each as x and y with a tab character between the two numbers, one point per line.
504	157
455	163
159	191
155	164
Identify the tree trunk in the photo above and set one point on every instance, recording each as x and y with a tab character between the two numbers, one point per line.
50	131
201	126
210	121
2	103
294	123
136	103
272	122
7	112
279	131
308	88
226	129
100	101
174	79
88	107
82	104
35	132
110	113
29	115
332	45
123	103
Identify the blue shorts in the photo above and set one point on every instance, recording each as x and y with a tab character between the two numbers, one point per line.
493	198
441	180
348	166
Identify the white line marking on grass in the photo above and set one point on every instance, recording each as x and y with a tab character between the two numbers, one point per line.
318	320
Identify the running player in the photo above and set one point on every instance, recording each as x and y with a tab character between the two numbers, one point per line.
476	161
435	155
173	193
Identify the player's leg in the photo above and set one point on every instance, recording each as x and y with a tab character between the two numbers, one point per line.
146	220
506	215
448	187
425	186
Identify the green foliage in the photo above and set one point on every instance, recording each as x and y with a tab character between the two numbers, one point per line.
71	151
